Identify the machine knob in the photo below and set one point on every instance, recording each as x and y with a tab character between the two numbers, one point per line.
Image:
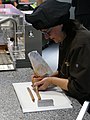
31	34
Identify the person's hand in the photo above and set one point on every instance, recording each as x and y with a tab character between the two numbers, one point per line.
43	84
15	4
35	78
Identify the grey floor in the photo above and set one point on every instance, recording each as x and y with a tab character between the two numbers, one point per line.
50	55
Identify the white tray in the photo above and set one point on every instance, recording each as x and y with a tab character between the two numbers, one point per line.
60	100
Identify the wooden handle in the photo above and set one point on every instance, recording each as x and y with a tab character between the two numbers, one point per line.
37	93
30	92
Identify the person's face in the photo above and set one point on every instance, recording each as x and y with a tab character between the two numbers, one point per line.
54	33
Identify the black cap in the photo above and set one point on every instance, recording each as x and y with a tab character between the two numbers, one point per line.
49	14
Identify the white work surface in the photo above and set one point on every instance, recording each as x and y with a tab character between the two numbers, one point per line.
61	101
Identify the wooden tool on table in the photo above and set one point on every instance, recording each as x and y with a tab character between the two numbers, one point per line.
36	89
30	92
41	102
37	92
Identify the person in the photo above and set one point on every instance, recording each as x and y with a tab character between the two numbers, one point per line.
52	18
82	12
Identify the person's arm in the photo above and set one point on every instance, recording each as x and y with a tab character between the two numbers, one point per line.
35	78
61	82
38	78
45	82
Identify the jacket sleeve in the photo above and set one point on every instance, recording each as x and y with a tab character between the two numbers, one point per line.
79	80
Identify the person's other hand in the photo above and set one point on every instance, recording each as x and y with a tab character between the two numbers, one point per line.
43	84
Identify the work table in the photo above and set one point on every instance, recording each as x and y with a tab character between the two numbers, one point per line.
10	107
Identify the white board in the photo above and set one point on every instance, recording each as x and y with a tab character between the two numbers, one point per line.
61	101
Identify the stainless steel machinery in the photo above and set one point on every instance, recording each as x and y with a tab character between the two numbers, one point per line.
17	39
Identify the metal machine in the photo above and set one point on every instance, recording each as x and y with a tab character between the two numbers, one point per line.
17	39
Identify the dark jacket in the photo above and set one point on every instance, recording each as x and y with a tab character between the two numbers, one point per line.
81	6
75	64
